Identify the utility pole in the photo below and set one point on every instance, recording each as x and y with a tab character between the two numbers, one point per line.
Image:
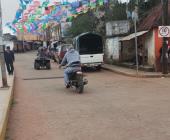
137	2
2	60
135	19
23	46
164	45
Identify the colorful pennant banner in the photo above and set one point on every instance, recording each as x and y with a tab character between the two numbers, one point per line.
34	16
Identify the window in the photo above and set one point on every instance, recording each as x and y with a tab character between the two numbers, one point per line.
90	44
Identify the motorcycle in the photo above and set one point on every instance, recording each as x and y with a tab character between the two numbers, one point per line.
76	79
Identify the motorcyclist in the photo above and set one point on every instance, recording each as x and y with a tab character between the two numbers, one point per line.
72	60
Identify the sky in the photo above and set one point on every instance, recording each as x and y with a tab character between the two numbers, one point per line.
9	8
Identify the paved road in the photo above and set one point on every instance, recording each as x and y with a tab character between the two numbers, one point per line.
113	107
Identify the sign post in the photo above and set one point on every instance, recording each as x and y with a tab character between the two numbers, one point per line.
164	31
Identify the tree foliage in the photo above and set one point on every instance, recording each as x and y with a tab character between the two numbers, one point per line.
89	22
143	5
82	23
115	10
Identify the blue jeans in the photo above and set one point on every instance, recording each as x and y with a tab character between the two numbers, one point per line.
69	70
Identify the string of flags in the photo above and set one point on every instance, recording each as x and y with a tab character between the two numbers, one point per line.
34	16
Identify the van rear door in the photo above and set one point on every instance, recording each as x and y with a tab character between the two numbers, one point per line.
91	59
97	58
91	49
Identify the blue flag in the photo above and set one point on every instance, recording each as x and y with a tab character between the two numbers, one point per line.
25	1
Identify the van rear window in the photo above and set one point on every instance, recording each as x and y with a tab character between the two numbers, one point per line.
90	44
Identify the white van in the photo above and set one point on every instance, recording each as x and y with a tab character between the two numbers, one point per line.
90	47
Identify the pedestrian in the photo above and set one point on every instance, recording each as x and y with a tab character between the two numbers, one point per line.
168	52
9	60
167	60
140	55
161	56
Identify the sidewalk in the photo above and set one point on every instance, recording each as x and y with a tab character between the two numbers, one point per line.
132	72
5	101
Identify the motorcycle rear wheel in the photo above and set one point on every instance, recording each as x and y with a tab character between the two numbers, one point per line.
80	84
80	88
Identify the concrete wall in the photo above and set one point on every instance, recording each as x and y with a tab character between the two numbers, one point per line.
150	47
112	49
117	27
9	43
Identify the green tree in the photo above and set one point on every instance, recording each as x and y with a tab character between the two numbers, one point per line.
116	11
143	5
89	22
83	23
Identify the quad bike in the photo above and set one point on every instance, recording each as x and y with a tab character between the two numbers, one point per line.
42	62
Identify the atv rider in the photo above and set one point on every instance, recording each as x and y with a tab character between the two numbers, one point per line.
42	52
72	60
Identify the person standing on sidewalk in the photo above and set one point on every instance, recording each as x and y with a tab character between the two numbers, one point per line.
168	51
9	60
140	55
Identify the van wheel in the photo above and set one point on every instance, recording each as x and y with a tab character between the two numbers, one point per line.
98	68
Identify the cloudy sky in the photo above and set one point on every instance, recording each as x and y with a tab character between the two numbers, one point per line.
9	8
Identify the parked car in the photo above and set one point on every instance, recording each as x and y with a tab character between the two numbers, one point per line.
61	51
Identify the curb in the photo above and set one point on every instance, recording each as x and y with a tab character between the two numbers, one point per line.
118	72
6	109
134	75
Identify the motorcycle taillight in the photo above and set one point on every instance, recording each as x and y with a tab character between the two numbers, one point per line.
79	72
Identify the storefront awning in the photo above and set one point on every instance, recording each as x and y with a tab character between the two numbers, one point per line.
131	36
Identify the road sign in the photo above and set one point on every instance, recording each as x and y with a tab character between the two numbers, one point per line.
135	16
164	31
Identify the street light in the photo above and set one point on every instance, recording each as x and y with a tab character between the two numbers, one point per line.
2	60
